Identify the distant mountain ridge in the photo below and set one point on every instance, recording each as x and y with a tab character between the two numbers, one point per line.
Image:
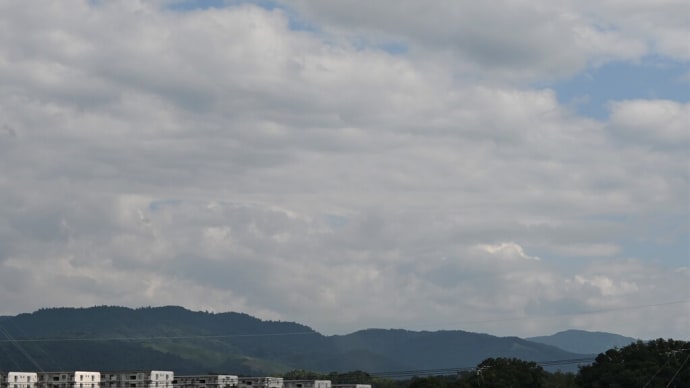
173	338
581	341
446	349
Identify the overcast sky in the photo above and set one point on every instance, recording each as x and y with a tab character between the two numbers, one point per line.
508	167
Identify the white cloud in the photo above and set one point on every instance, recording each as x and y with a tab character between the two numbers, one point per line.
507	251
606	286
652	121
663	25
220	160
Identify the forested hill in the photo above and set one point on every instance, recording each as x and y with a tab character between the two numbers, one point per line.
446	349
143	322
173	338
581	341
119	338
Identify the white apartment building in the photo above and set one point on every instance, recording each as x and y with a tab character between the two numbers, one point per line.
260	382
77	379
138	379
19	380
307	384
206	381
351	386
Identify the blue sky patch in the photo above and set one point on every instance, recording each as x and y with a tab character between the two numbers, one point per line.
191	5
295	22
589	92
336	221
157	205
395	48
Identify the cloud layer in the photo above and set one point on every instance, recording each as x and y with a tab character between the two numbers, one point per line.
388	166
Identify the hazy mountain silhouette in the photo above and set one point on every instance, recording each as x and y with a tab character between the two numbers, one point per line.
581	341
173	338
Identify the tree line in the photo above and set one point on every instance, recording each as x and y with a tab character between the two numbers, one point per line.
650	364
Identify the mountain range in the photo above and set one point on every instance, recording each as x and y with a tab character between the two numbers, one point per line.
188	342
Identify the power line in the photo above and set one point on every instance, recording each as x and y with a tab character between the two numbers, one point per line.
447	371
18	346
668	361
678	371
156	338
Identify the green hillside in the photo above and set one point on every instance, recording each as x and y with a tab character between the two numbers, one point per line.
446	349
173	338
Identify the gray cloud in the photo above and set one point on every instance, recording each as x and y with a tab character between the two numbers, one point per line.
513	40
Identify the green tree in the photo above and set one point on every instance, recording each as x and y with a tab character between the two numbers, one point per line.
301	374
656	363
508	372
352	377
560	380
428	382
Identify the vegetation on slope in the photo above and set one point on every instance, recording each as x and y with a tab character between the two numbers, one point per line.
172	338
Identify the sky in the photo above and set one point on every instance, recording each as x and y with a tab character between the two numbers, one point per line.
508	167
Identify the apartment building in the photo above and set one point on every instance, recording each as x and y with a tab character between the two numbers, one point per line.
351	386
76	379
206	381
18	380
260	382
307	384
138	379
